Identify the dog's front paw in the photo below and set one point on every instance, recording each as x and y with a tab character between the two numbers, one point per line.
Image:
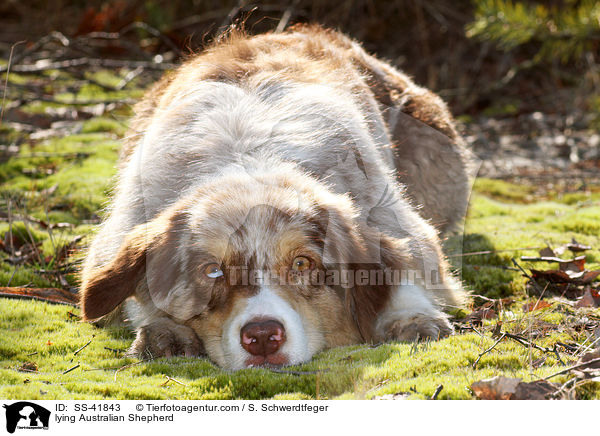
165	337
418	327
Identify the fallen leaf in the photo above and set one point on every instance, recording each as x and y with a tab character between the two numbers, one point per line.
535	305
485	312
573	277
589	276
574	265
537	390
51	295
28	367
547	252
396	396
588	300
505	388
551	275
576	247
539	362
589	357
497	388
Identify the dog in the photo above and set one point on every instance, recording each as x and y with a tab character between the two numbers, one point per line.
279	195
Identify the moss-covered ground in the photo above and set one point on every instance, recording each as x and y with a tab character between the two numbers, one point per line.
54	187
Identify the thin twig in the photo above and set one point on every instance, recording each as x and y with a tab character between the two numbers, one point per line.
131	365
508	268
473	253
81	348
285	371
171	379
437	392
285	18
71	369
521	340
7	74
128	78
580	365
488	350
535	284
45	65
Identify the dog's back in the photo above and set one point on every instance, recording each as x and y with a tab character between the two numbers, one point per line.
412	128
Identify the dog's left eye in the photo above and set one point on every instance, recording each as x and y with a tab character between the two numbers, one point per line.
213	270
301	263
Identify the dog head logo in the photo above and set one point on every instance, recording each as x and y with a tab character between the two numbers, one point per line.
26	415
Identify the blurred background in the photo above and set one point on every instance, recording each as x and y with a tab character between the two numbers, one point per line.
522	75
522	78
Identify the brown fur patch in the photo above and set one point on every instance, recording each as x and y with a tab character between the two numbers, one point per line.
103	289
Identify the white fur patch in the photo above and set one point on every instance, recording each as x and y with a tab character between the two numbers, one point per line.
406	302
265	304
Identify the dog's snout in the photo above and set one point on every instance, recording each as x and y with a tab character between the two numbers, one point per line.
263	338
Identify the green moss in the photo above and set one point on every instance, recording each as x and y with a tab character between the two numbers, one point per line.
67	180
502	190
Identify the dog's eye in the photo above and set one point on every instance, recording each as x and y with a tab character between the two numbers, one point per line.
301	263
213	270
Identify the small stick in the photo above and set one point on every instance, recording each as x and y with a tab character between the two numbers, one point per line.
488	350
12	48
32	354
71	369
549	259
81	348
41	66
171	379
528	276
283	371
437	392
131	365
508	268
473	253
580	365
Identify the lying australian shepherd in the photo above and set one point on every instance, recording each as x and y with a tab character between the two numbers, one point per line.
279	195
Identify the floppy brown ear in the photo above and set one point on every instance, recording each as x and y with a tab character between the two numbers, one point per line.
355	247
366	301
103	289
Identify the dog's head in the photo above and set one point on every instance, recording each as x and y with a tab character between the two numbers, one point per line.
266	270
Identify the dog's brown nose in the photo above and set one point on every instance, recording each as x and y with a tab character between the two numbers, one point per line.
263	338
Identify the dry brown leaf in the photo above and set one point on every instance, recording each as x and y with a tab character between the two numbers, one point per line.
497	388
557	276
484	312
589	299
28	367
574	265
51	295
535	305
551	275
589	276
576	247
537	390
396	396
591	356
505	388
547	252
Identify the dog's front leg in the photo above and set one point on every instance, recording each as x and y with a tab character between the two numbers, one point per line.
165	337
412	316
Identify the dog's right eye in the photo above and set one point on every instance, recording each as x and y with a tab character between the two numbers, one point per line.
213	270
301	264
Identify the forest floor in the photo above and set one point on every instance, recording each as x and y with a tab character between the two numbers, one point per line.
528	320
